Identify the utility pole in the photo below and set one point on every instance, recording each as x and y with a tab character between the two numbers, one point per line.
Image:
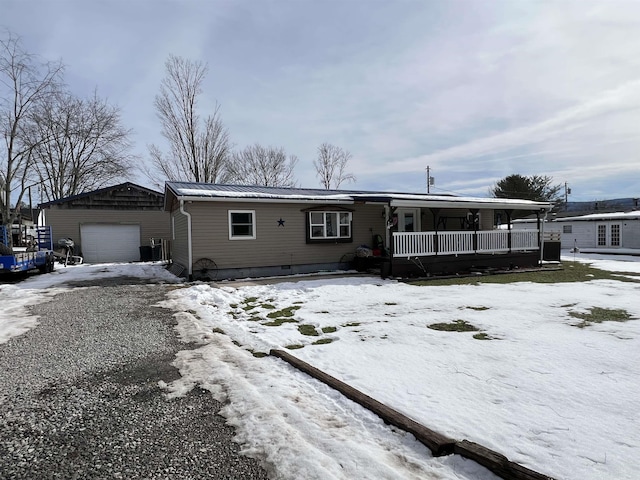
430	179
567	192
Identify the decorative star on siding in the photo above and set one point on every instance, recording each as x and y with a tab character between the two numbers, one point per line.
281	223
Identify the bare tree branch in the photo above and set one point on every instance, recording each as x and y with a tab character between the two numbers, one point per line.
86	146
198	149
24	82
264	166
331	166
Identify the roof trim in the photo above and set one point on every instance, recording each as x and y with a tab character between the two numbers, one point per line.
204	192
98	191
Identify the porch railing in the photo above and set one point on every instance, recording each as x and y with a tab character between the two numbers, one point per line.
421	244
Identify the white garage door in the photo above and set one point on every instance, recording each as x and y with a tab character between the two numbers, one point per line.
110	243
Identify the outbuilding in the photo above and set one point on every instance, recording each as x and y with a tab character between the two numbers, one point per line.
121	223
615	232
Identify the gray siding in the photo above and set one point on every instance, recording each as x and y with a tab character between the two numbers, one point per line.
631	234
274	245
65	223
584	233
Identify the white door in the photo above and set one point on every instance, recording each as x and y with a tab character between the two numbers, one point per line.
608	235
110	243
408	219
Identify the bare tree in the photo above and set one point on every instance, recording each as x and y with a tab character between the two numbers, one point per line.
198	150
331	166
264	166
24	82
86	146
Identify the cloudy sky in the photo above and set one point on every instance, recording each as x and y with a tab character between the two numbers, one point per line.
474	89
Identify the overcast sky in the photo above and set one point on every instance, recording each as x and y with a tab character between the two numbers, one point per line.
474	89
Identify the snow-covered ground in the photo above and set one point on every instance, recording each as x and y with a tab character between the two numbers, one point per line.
550	395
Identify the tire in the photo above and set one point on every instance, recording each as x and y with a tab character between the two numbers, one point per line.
4	250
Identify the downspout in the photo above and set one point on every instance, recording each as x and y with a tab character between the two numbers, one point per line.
189	247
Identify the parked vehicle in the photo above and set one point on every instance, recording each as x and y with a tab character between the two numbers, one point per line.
37	255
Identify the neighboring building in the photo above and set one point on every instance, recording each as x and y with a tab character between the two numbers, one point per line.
616	232
232	231
110	224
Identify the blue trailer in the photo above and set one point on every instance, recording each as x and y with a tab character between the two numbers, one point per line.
38	256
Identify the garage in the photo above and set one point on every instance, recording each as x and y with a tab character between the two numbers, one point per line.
110	243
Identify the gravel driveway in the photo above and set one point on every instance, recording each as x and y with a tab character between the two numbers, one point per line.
79	395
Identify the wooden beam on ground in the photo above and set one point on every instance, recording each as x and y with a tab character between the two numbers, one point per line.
438	444
496	462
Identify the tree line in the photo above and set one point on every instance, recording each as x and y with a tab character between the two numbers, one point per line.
200	148
65	145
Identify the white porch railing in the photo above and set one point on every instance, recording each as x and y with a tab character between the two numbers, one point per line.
421	244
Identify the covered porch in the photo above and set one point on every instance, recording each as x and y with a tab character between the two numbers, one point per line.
451	235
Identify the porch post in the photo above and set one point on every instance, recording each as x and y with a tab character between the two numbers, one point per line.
508	213
435	212
474	217
388	239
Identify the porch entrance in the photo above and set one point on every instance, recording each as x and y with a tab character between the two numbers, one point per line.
409	220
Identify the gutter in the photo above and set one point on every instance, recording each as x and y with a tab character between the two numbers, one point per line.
189	246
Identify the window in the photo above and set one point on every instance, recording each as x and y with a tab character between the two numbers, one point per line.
242	224
329	226
602	235
567	229
615	235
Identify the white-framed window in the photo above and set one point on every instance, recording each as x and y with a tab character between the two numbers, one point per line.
602	235
567	229
329	225
615	235
242	224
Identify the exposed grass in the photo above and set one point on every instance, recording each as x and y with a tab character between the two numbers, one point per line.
570	272
279	321
599	315
285	312
322	341
329	329
455	326
267	306
352	324
294	347
309	330
390	303
217	330
477	309
483	336
250	300
258	354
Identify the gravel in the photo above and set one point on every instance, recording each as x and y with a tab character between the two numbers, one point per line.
79	395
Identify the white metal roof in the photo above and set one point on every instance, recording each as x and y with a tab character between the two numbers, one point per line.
189	191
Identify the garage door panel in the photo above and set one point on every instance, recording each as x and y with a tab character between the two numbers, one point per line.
103	243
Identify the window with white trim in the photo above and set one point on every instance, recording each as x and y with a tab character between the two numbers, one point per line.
615	235
329	226
242	224
567	229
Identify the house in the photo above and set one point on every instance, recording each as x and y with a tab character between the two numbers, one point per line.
615	232
232	231
110	224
